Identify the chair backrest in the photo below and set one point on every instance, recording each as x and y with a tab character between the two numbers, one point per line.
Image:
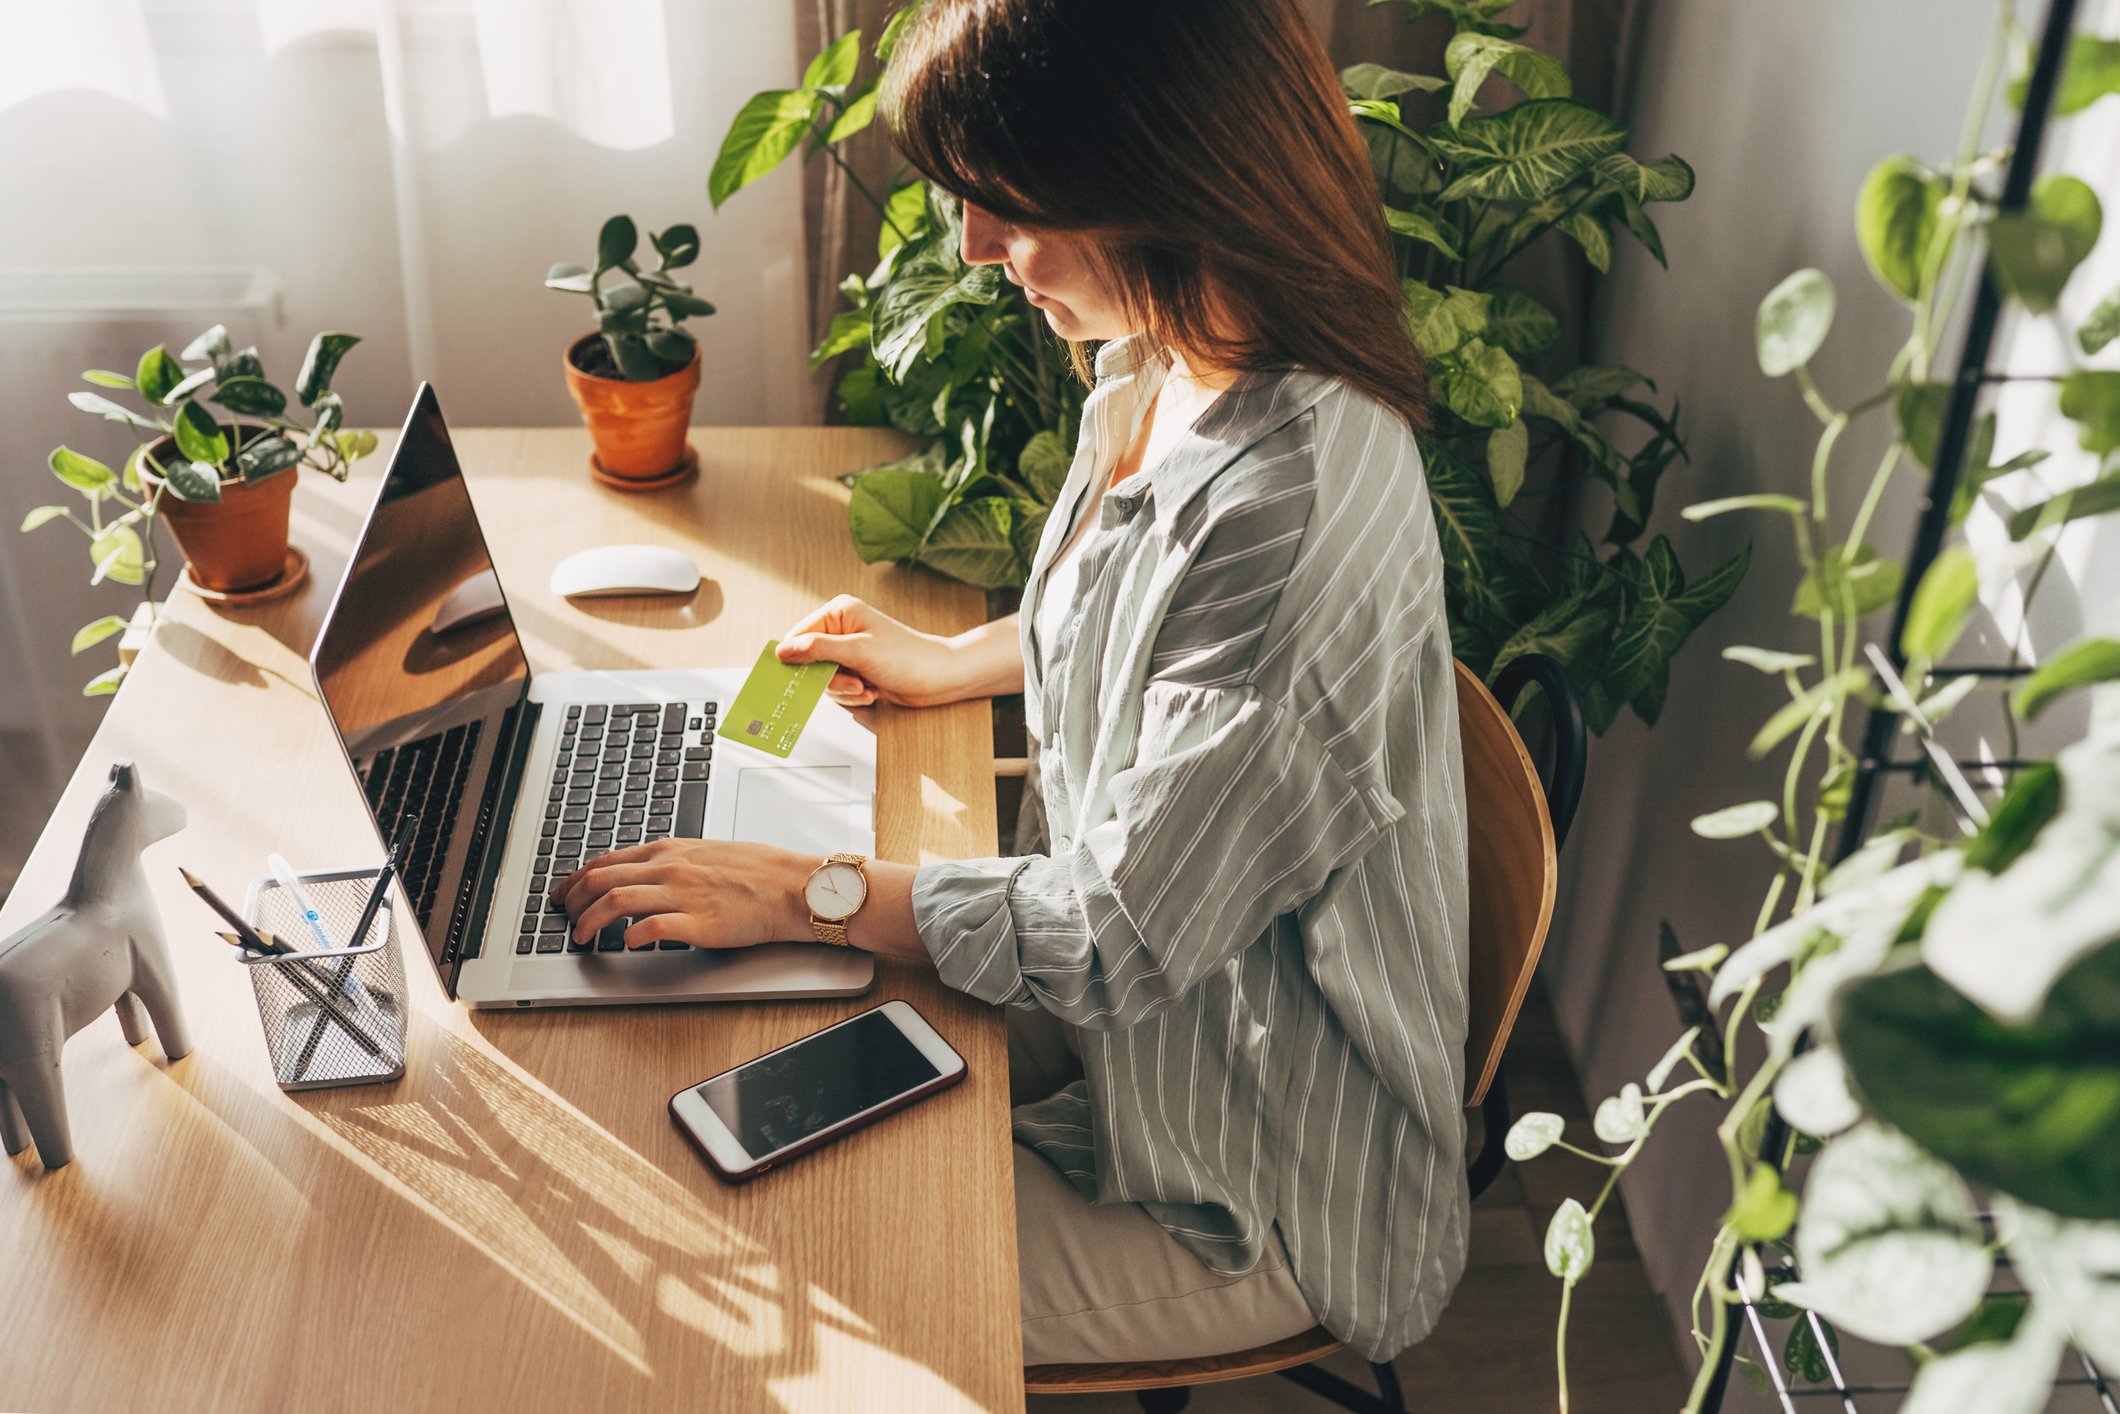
1513	869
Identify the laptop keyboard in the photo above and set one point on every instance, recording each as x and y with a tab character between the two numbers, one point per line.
423	777
626	773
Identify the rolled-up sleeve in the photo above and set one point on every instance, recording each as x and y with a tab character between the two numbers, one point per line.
1231	815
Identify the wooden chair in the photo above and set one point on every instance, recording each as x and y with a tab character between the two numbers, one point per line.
1516	820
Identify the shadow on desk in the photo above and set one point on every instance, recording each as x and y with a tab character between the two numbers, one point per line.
633	1260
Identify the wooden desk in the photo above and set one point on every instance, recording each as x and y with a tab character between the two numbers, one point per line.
514	1225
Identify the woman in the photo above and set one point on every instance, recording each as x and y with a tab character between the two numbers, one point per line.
1249	896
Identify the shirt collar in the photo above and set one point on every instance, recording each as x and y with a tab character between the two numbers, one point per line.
1259	402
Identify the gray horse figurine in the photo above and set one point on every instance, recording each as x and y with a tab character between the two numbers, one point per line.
100	946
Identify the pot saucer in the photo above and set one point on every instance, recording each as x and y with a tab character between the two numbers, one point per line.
684	471
294	572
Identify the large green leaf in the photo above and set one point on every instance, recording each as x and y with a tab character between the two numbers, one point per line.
1527	152
83	473
1896	221
1376	81
1920	408
1588	231
1506	450
1668	178
1793	320
2031	1109
199	437
893	507
193	481
1421	225
2035	250
1519	323
1890	1247
1479	383
117	555
157	374
1842	580
253	397
2091	72
2086	661
2102	327
765	130
972	544
2096	499
1043	464
265	457
1466	520
1472	55
1589	386
1441	320
321	364
904	218
928	282
835	64
1571	630
1664	613
1942	602
113	412
2090	396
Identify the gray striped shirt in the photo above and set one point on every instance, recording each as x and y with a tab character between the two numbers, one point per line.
1250	890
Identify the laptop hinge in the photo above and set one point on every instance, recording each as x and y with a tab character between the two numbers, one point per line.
483	860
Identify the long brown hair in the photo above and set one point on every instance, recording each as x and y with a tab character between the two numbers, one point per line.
1205	148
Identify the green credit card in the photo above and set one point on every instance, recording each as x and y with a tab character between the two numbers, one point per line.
774	703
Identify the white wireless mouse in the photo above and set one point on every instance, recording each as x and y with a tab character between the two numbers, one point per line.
624	569
478	597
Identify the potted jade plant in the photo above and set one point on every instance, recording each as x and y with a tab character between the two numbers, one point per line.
222	479
634	378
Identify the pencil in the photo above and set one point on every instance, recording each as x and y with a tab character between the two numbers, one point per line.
295	974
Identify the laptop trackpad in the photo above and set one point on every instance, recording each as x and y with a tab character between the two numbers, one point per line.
809	809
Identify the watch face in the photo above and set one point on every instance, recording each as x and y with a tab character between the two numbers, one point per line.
835	890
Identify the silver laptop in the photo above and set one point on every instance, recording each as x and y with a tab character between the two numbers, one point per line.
514	778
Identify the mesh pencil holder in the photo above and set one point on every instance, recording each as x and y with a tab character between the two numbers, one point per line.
331	1016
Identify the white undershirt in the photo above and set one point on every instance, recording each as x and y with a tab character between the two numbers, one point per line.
1064	575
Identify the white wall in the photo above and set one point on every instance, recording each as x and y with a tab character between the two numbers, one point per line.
1782	109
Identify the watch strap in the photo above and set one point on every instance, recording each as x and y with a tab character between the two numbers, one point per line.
834	931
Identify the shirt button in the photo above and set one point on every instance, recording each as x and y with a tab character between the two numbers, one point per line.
1061	843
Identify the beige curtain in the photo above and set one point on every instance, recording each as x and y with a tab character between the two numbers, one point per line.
1590	36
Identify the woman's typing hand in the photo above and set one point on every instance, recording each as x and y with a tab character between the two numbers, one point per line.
883	660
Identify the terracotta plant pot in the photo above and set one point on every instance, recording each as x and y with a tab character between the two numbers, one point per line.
238	542
638	428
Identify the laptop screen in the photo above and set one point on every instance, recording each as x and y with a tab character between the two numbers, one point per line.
420	667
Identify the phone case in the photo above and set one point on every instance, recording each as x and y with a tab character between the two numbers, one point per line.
822	1137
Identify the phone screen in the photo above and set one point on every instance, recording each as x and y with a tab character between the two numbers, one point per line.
782	1099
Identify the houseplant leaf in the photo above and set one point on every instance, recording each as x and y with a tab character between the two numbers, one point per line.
1043	464
1479	383
265	456
1793	320
1506	450
252	397
199	437
1472	55
1376	81
1889	1246
157	374
2091	397
1664	613
193	481
2032	1109
2101	327
1896	221
83	473
111	412
1942	602
972	543
2095	499
835	64
892	508
320	364
1527	151
1519	324
1422	226
766	129
2085	661
568	276
1843	579
91	634
117	555
2035	250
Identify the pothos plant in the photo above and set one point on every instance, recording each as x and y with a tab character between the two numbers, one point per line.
953	355
1933	1026
200	454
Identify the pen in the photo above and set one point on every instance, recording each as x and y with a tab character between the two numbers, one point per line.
399	839
295	974
283	874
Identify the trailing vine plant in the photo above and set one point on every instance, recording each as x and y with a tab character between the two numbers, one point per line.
1945	1022
954	356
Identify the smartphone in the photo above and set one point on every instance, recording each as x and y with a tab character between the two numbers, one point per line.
812	1091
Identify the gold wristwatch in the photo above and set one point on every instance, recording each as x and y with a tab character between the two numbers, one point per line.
835	892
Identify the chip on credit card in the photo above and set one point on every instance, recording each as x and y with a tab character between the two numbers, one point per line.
775	702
